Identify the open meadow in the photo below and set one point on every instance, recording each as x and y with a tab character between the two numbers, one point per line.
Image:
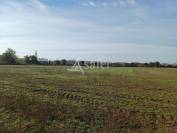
51	99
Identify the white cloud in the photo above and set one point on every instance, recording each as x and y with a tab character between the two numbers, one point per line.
122	3
105	4
91	3
113	3
39	5
132	2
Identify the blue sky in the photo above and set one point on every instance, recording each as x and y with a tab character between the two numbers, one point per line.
108	30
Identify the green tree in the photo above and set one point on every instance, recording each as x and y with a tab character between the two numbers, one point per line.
157	64
57	62
27	59
9	57
0	59
31	59
63	62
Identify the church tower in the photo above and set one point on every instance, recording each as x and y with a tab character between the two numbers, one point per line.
36	54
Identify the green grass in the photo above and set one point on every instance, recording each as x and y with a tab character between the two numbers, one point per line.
52	99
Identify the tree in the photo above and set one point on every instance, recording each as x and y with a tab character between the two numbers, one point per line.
82	63
154	64
27	59
9	57
31	59
0	59
157	64
57	62
63	62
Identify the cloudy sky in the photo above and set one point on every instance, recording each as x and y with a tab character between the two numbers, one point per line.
108	30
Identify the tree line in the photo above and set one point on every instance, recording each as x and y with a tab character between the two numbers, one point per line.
9	57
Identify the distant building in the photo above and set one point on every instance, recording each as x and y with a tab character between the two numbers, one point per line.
43	61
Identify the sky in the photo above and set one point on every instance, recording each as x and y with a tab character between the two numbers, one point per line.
104	30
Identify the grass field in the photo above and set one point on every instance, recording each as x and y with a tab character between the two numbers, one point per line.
51	99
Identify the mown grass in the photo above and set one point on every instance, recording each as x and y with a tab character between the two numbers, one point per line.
51	99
